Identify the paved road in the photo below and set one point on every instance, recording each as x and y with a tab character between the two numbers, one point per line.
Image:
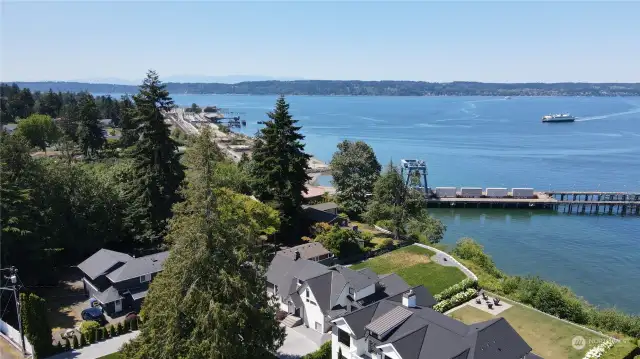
98	350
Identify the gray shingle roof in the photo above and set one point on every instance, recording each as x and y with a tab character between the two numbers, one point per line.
316	215
422	333
109	295
327	206
389	320
101	262
137	267
356	279
284	272
307	250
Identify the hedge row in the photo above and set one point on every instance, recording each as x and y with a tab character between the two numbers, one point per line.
455	289
93	333
455	301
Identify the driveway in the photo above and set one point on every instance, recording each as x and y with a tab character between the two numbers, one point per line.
301	341
98	350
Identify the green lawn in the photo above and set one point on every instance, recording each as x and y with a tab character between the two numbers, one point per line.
549	337
412	263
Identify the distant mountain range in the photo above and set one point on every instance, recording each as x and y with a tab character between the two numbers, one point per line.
355	88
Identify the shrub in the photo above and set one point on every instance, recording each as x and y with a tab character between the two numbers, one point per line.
133	324
75	342
620	350
599	350
386	243
105	334
88	327
67	344
83	340
33	313
280	315
120	329
455	289
57	348
112	331
454	301
324	352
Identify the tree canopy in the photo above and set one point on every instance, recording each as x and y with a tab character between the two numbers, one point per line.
401	209
209	301
355	169
158	172
279	168
39	130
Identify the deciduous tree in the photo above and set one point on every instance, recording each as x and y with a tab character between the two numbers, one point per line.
39	130
355	169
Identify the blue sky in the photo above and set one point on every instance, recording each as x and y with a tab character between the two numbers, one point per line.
431	41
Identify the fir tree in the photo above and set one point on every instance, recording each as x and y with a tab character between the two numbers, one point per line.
158	172
90	136
279	168
126	113
209	300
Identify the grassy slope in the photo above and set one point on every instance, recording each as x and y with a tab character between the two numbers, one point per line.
412	263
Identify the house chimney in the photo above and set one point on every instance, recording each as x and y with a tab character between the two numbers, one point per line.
296	255
409	299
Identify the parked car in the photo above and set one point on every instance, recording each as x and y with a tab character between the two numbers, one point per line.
94	314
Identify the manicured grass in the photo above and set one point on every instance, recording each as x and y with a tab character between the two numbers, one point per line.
412	263
549	337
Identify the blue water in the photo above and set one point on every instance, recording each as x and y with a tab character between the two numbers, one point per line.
493	142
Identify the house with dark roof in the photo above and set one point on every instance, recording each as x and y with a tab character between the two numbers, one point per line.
405	326
313	251
313	294
323	212
118	281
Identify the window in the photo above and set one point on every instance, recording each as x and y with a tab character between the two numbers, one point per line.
344	338
351	291
145	278
318	327
307	295
311	302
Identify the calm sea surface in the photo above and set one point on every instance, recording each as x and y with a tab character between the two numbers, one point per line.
494	142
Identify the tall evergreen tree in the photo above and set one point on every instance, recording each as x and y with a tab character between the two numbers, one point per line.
209	300
156	162
90	136
126	113
280	168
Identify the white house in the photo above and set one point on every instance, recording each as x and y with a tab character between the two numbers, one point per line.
405	327
313	294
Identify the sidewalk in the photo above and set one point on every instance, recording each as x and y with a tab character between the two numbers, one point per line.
98	350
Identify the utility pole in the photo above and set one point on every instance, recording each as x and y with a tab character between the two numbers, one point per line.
15	288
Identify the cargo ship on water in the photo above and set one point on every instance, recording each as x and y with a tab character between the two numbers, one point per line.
564	117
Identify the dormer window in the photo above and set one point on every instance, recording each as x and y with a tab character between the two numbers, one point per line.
145	278
351	291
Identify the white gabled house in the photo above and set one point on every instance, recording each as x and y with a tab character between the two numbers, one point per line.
313	294
405	326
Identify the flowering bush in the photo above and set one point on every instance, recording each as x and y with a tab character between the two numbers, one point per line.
455	289
454	301
597	351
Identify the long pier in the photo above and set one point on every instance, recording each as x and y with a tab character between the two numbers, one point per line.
571	202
